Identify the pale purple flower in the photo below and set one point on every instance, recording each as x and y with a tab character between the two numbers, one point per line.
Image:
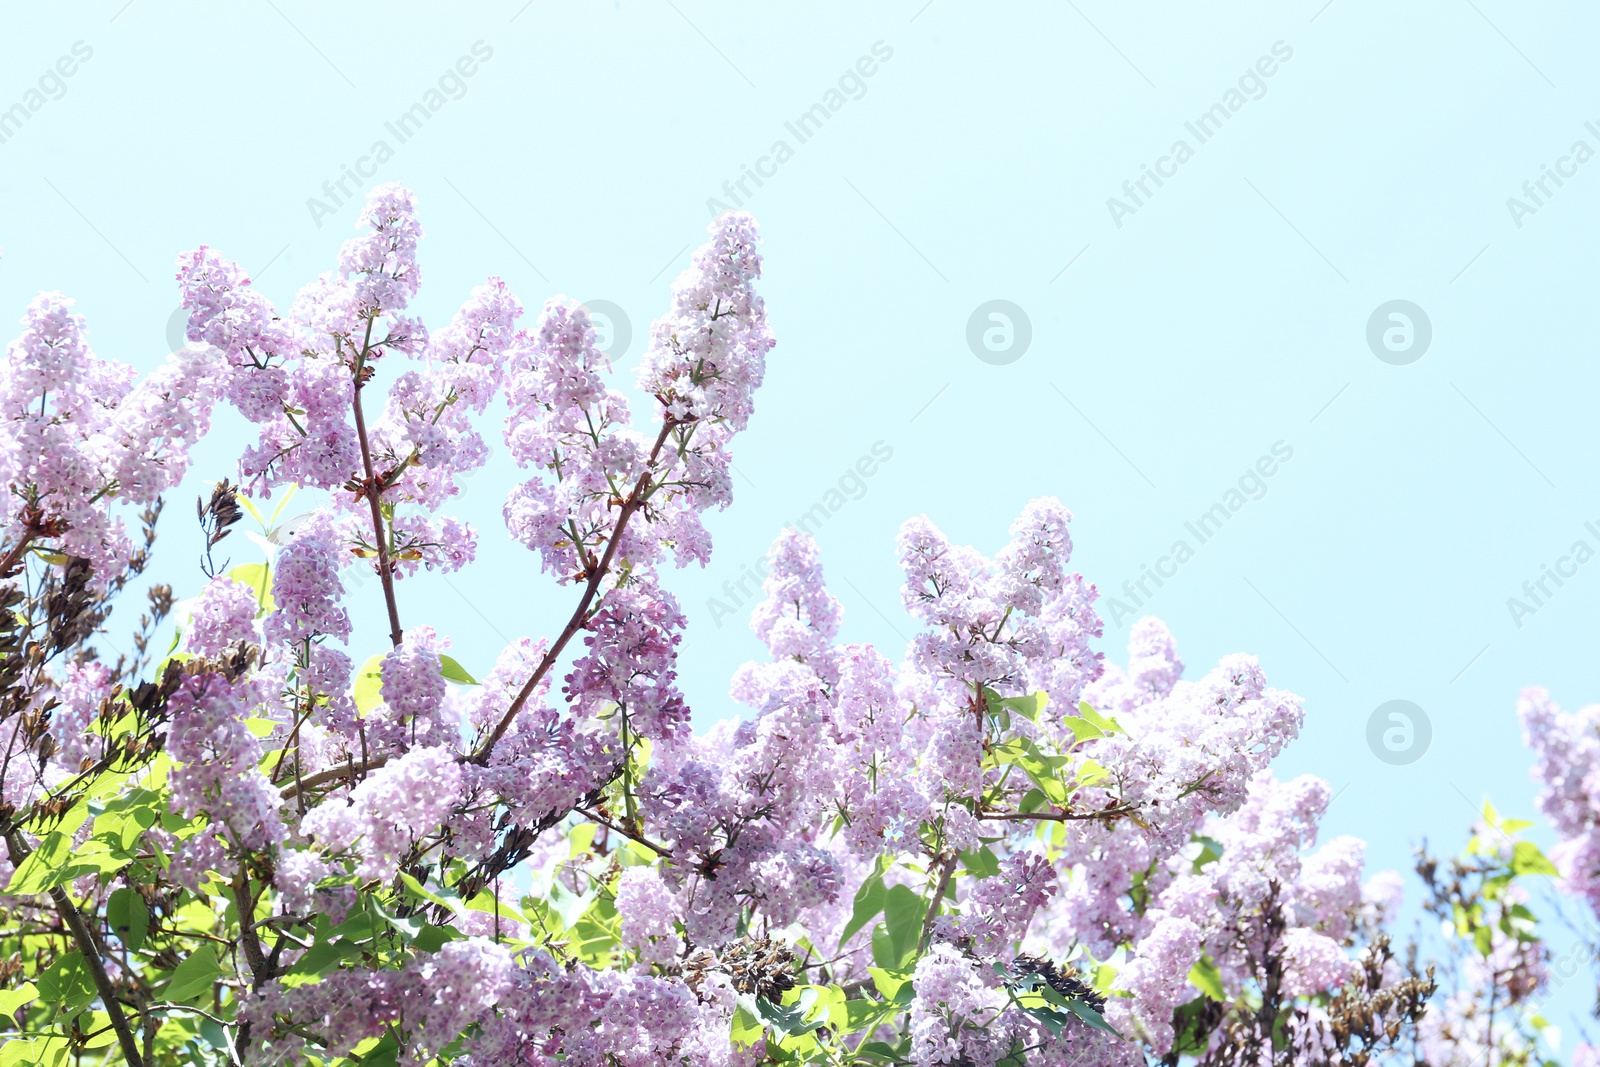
223	615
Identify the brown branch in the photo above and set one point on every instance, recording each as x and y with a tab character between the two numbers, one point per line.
372	489
580	615
1056	816
248	938
601	820
9	564
332	774
91	954
947	867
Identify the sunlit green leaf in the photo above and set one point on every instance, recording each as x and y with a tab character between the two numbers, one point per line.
66	984
454	672
368	684
1526	858
194	975
1105	723
1205	977
12	999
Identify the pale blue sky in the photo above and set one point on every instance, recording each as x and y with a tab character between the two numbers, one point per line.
1226	314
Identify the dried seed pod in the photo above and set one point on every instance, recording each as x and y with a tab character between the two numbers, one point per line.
758	966
1067	984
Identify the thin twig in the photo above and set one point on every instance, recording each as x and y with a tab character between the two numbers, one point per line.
248	938
373	490
91	954
580	615
1056	816
947	867
601	820
332	774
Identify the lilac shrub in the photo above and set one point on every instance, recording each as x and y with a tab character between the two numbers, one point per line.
994	849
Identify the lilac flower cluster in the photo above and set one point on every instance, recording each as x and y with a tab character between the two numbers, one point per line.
398	804
217	774
997	849
1566	748
80	436
223	615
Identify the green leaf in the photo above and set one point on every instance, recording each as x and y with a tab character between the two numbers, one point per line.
432	938
981	862
43	868
747	1028
258	577
48	1051
1091	773
1043	769
1085	1011
598	932
1106	723
318	958
903	912
569	906
1210	851
66	985
858	1015
1053	1020
784	1021
128	917
408	926
1192	1035
1205	977
74	817
889	983
883	951
580	839
869	902
385	1054
444	896
1029	707
455	672
367	691
1083	729
288	496
12	999
194	975
1526	858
